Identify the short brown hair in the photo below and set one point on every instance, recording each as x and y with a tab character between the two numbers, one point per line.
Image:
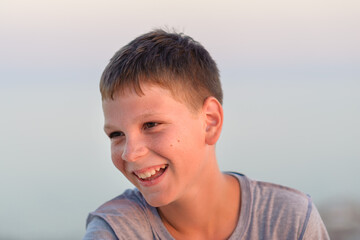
171	60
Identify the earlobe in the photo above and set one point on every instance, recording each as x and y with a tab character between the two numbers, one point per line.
213	113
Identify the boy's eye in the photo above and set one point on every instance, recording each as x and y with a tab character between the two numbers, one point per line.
150	125
115	134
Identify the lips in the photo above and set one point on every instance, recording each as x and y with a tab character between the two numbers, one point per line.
151	173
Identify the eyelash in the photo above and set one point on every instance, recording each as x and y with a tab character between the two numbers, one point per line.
146	125
116	134
152	124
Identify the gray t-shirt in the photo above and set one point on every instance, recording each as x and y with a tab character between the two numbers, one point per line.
268	211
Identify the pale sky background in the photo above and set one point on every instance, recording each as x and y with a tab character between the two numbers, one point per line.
291	77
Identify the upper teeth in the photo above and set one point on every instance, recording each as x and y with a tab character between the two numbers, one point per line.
150	172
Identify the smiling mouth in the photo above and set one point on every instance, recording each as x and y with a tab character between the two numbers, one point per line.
151	173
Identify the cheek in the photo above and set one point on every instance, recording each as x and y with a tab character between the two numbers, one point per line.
166	143
116	154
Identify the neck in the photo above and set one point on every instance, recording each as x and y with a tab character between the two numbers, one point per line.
209	211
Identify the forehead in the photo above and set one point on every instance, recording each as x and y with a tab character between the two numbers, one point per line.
131	106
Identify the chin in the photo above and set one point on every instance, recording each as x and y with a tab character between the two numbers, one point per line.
157	200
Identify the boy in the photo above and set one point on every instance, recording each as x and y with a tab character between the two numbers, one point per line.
162	103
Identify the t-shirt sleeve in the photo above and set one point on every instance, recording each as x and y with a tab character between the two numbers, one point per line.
99	229
315	228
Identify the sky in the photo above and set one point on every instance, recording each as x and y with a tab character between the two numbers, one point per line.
290	72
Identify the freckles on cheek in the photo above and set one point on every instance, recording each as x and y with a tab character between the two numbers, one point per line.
177	141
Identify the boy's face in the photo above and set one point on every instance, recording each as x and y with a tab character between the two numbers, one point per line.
157	142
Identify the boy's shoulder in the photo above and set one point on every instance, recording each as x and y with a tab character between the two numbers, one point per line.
278	201
128	216
125	214
257	192
278	212
273	193
272	201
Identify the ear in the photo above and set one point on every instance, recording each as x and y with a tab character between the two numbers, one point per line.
213	113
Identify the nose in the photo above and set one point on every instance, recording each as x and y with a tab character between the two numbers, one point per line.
134	149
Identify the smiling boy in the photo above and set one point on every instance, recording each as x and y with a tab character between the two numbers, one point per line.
162	103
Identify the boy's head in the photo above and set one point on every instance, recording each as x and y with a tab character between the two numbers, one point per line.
162	108
173	61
